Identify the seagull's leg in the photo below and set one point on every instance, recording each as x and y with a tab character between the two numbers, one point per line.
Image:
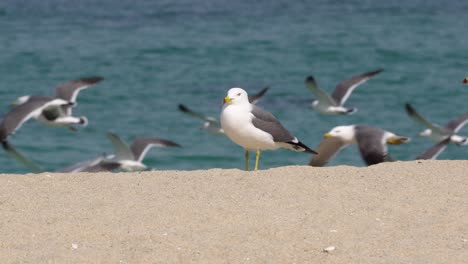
257	158
246	160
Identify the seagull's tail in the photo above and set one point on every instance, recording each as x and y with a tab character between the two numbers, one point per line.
299	146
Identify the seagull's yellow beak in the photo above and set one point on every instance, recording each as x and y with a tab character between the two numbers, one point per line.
465	80
227	100
327	135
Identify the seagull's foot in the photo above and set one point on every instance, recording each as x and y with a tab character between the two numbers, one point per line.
257	158
246	160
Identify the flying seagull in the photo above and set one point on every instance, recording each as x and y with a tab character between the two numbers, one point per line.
334	104
32	108
372	143
62	116
438	133
253	128
212	124
127	158
441	135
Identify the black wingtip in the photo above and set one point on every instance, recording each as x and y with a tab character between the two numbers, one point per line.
92	79
310	79
183	108
409	109
299	146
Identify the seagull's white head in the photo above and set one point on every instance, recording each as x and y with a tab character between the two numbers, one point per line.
21	100
236	96
345	133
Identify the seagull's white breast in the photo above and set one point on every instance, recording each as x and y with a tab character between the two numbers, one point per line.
236	121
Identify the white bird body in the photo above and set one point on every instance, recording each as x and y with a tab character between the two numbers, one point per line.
248	136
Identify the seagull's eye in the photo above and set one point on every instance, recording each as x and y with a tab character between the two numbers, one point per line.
239	94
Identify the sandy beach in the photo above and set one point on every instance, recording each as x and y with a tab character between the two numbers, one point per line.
400	212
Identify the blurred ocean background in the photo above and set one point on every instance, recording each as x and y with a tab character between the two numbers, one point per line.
157	54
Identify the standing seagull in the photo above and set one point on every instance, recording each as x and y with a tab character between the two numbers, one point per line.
211	124
372	143
441	135
254	129
333	104
32	108
62	116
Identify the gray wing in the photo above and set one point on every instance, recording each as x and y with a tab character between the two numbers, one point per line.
267	122
121	149
457	123
82	166
22	113
321	95
371	144
140	146
421	120
20	157
205	118
69	90
254	98
434	151
327	150
344	89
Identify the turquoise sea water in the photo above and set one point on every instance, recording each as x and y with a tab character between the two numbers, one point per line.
157	54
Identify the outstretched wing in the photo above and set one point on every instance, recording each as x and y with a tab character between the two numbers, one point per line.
344	89
327	150
20	157
321	95
421	120
457	123
22	113
121	149
69	90
254	98
434	151
140	146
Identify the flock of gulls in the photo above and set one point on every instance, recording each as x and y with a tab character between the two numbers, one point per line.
246	124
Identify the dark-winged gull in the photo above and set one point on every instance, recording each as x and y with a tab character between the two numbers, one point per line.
333	104
372	143
441	135
127	158
32	108
62	116
254	129
212	124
